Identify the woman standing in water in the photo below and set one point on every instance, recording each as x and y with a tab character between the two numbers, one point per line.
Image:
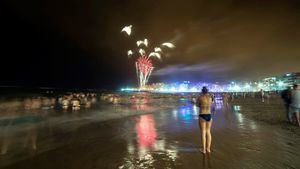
205	120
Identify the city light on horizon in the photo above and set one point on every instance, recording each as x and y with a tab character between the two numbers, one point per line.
266	84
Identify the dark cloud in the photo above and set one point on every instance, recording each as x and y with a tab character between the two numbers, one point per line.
212	67
210	71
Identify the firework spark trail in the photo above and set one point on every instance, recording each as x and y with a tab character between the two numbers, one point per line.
140	42
137	73
155	54
127	29
129	53
148	75
157	49
142	52
146	42
168	44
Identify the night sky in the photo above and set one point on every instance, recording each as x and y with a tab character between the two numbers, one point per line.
78	44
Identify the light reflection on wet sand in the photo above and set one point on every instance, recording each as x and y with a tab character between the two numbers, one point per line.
166	137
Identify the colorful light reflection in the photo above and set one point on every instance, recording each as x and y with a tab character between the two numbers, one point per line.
145	130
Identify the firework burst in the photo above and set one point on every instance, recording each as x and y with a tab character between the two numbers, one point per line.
143	64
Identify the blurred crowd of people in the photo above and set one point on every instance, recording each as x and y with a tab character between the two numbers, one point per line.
264	96
25	113
71	100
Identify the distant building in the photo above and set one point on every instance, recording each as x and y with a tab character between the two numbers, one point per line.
291	78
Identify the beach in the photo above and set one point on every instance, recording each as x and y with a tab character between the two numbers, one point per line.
144	130
272	111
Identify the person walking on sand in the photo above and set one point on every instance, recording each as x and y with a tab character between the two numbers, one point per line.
205	121
286	97
295	104
262	95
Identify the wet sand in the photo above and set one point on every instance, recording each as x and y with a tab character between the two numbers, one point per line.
272	111
158	134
